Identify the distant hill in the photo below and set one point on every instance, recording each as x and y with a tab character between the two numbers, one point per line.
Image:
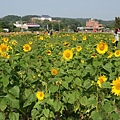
65	23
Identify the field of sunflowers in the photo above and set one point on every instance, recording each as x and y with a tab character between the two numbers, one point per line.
66	76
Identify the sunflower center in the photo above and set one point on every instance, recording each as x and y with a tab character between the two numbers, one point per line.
117	53
101	47
27	48
67	55
41	95
101	80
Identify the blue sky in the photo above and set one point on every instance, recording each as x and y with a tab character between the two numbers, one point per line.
96	9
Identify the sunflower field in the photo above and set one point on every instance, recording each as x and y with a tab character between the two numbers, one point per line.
66	76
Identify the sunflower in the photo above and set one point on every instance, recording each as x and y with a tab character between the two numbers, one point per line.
3	47
113	40
93	55
5	39
30	42
66	44
48	52
5	55
82	61
40	95
68	54
110	54
41	38
84	37
26	47
101	79
116	86
54	71
78	48
14	42
73	38
102	47
117	53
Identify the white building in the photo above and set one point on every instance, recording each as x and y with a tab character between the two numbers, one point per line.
26	25
43	17
46	17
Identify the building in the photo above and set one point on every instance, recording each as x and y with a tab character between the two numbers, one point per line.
92	25
43	17
26	25
46	17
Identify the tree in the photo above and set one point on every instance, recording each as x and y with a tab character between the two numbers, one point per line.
117	22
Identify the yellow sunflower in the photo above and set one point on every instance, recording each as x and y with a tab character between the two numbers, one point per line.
26	47
102	47
3	48
101	79
110	54
68	54
48	52
82	61
14	42
93	55
116	86
78	48
84	37
73	38
5	39
40	95
30	42
41	38
117	53
66	44
113	40
54	71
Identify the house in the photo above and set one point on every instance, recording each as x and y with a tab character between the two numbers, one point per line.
43	17
92	25
46	17
26	25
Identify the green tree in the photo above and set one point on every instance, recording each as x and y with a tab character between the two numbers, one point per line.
117	22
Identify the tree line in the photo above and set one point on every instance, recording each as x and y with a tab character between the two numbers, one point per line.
63	24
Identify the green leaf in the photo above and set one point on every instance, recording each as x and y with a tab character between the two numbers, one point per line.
108	107
52	114
43	118
68	79
53	88
108	67
96	63
65	84
13	116
50	102
31	98
12	101
96	116
27	92
72	98
106	85
15	91
46	112
3	104
115	116
78	82
83	100
112	76
2	116
91	102
87	84
5	81
57	105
